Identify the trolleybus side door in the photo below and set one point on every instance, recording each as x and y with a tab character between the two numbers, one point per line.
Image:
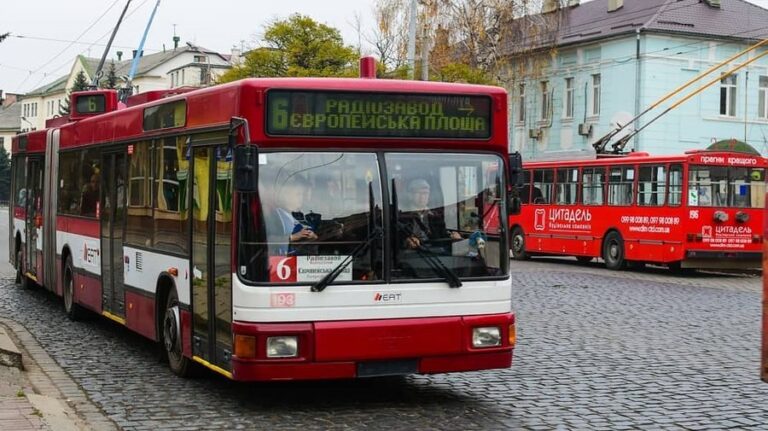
34	209
211	254
113	186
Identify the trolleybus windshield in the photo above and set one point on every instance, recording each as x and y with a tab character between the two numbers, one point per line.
315	211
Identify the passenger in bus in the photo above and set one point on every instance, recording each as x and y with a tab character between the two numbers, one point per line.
90	196
704	199
290	199
423	226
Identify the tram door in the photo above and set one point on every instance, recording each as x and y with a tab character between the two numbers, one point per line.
211	261
112	209
34	213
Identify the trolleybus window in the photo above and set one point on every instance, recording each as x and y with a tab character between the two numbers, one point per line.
567	186
543	180
746	187
675	185
441	210
621	186
651	186
316	210
138	229
593	186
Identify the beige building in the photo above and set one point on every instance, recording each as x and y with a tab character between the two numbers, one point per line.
10	121
184	66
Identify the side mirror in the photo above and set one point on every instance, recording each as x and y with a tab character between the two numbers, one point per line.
246	168
515	170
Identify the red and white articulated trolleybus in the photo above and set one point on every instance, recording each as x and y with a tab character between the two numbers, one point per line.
764	344
275	229
702	209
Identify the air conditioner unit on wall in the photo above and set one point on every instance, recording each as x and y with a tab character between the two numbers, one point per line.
585	129
534	133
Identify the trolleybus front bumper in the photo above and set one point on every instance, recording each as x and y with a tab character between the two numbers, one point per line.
371	348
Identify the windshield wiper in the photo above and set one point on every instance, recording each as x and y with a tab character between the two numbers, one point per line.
321	284
438	266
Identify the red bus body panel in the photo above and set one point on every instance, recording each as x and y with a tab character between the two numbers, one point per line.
764	350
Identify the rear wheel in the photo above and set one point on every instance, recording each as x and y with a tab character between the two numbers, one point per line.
71	308
171	337
20	277
613	251
518	244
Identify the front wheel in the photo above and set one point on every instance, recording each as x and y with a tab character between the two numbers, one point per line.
518	244
71	308
613	251
171	337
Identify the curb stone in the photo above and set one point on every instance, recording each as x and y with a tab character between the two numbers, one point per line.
64	405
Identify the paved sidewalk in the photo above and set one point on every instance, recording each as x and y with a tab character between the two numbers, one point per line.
41	396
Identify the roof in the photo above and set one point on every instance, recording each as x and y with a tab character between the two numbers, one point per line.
122	68
10	117
734	19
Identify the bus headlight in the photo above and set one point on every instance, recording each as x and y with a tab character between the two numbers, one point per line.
489	336
286	346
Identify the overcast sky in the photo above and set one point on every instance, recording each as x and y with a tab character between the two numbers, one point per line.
54	31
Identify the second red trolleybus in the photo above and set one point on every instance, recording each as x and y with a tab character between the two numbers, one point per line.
280	228
697	210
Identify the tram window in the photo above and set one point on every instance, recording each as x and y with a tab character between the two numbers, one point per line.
567	186
651	185
70	185
90	180
593	186
621	185
138	229
543	180
675	185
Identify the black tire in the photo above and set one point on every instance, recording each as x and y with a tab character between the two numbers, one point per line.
584	259
20	277
71	308
517	244
613	251
170	337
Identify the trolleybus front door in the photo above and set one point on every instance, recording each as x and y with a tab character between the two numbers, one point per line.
211	259
112	210
34	209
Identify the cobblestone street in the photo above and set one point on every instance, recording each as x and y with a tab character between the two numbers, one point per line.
597	349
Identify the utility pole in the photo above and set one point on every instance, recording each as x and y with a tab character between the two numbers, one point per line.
746	104
412	41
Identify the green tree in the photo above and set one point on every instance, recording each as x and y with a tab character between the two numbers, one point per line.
5	174
298	46
80	84
111	80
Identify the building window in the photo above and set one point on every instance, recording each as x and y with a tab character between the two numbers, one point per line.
201	59
521	104
728	96
596	94
568	108
544	100
762	108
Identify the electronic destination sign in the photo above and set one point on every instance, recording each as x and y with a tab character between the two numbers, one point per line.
377	115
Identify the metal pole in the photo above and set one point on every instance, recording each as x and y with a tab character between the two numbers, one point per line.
97	75
746	105
412	41
136	58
